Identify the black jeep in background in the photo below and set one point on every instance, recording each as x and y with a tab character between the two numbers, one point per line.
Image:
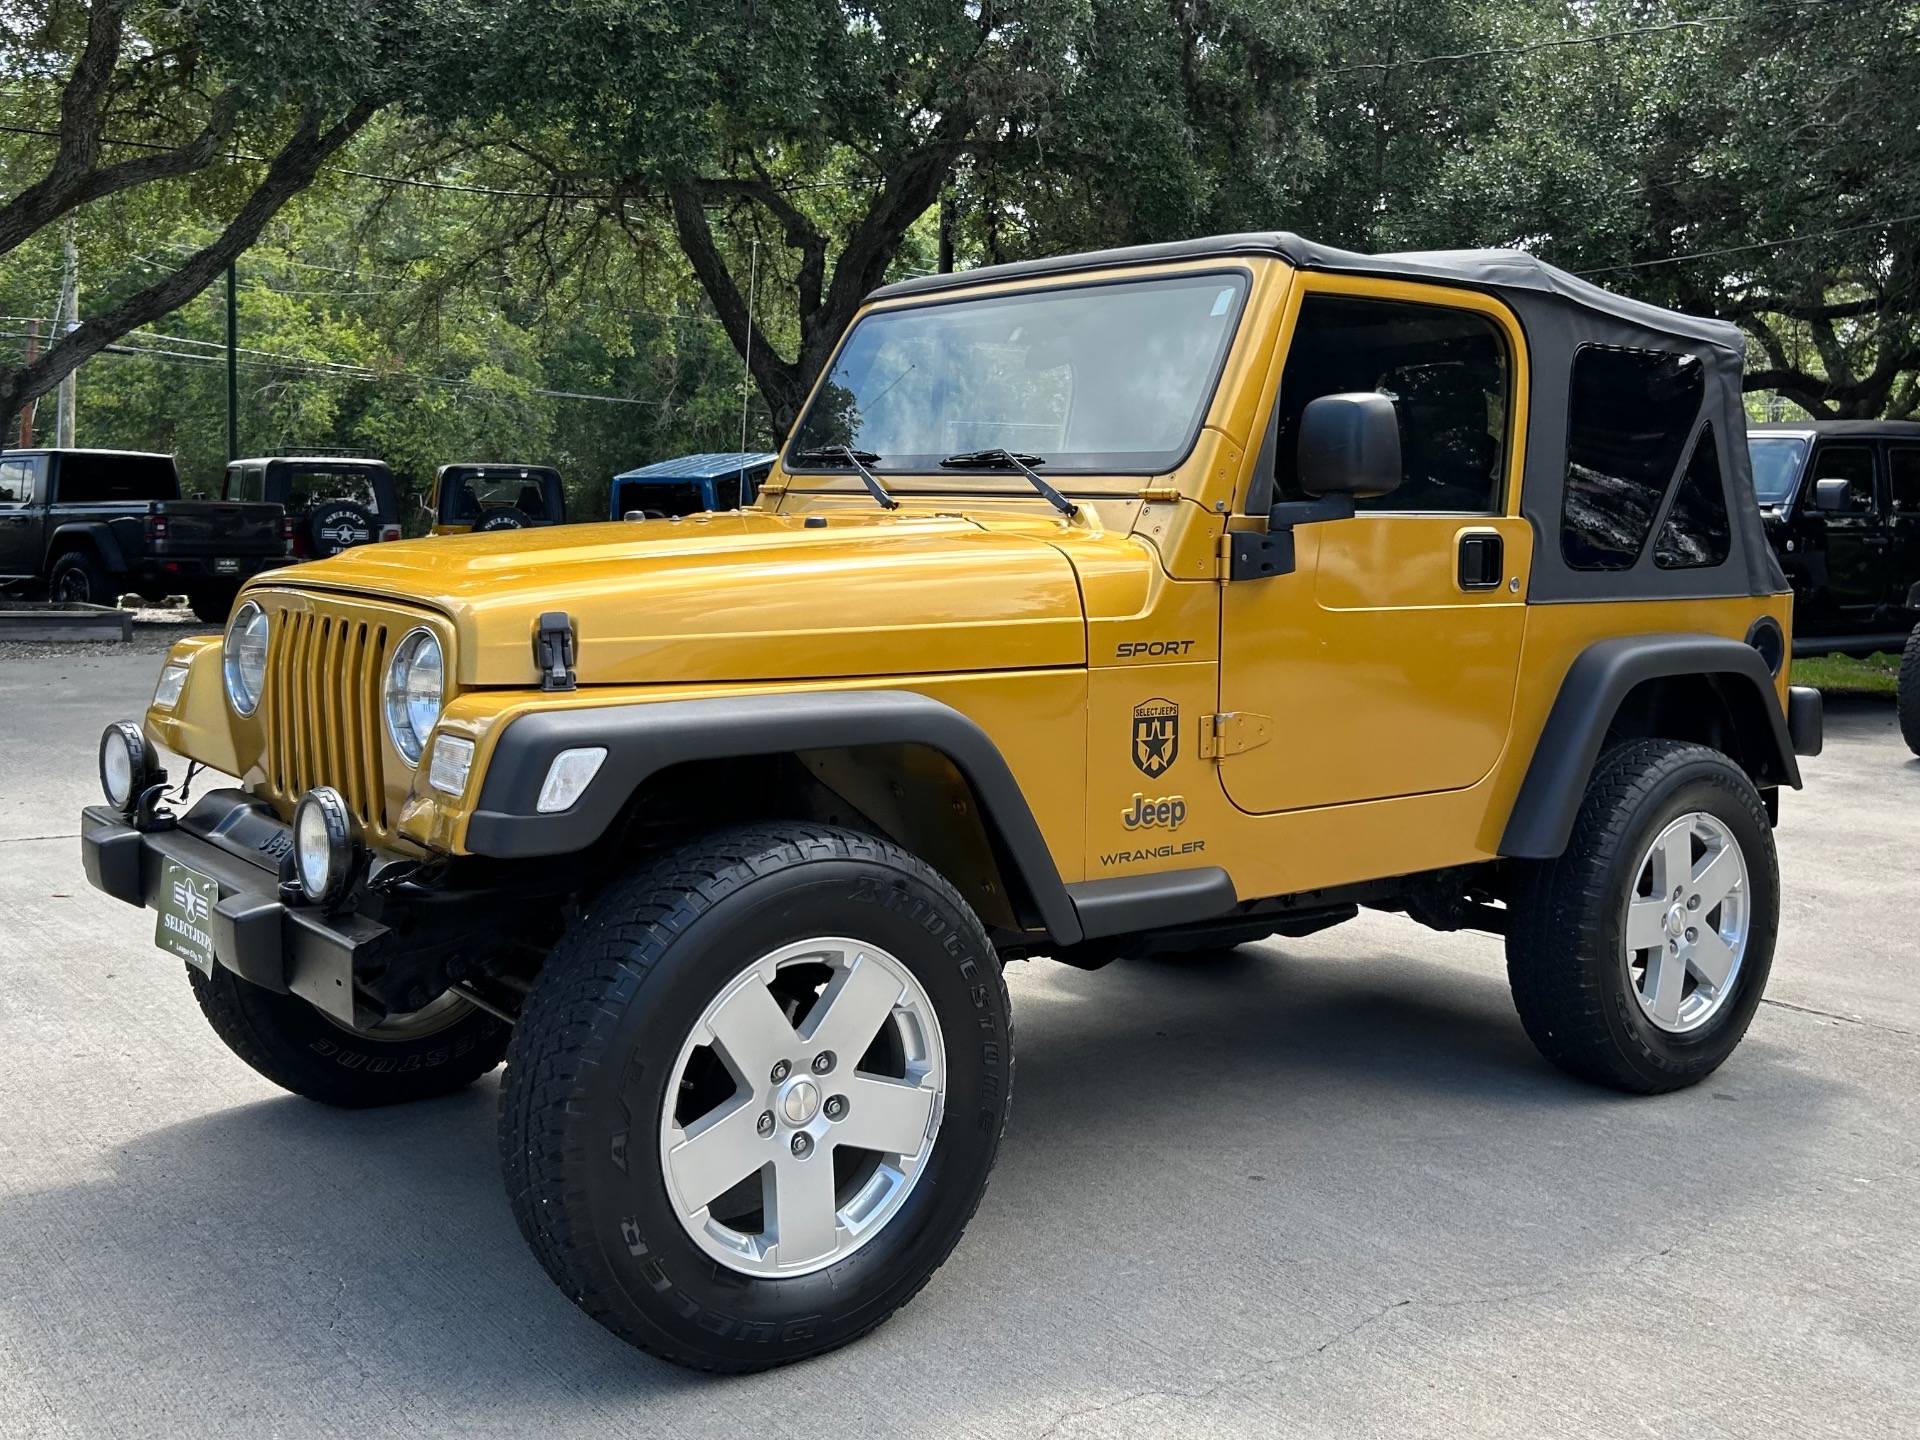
1840	501
333	502
92	525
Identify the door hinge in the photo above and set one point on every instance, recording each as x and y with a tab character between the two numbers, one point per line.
1232	732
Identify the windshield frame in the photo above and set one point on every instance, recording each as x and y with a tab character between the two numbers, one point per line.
959	480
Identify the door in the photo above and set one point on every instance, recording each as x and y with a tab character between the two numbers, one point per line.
1903	521
1855	542
22	517
1386	661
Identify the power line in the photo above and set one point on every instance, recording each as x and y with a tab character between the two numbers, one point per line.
1756	245
1530	47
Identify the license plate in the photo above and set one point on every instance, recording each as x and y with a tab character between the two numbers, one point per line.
226	567
184	928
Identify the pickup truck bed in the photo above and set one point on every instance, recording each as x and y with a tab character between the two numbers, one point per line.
91	525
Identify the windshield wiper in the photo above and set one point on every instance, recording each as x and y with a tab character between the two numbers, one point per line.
1007	460
859	460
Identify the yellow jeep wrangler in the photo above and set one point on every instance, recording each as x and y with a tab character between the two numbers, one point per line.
1147	601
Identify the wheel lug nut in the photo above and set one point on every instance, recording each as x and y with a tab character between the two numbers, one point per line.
780	1071
802	1145
1693	902
1673	947
765	1123
1678	891
1692	934
823	1062
836	1107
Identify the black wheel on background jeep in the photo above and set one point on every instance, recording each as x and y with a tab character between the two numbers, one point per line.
1909	699
212	603
446	1045
1638	957
78	578
754	1095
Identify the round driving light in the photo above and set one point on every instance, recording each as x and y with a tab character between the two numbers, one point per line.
245	659
323	848
414	691
128	765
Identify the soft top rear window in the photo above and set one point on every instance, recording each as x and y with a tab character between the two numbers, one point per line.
114	479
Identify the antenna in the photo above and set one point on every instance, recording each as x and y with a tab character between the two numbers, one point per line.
746	383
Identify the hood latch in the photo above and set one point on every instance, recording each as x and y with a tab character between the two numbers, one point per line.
553	650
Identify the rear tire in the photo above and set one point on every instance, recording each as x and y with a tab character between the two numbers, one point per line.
299	1049
1909	700
739	1260
1599	1009
79	578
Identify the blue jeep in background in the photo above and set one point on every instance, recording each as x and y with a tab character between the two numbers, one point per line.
690	484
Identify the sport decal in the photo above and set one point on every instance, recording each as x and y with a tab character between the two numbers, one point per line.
1156	736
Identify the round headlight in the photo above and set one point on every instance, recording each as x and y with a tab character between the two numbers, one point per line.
246	658
128	765
414	690
322	844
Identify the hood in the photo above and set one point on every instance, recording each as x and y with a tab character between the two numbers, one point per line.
733	597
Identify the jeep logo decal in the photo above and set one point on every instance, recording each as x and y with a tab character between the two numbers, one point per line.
1167	810
1156	736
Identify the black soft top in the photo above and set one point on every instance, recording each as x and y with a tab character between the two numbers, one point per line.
1560	314
1851	429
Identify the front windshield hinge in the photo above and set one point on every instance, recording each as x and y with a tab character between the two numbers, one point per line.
1159	494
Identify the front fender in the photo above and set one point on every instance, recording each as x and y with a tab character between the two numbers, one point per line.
644	738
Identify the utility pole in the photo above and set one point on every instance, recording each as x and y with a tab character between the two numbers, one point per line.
233	364
67	315
26	410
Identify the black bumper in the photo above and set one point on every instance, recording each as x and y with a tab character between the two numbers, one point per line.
1806	719
228	836
186	569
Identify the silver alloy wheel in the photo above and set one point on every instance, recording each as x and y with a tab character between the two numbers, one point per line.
437	1014
835	1149
1687	923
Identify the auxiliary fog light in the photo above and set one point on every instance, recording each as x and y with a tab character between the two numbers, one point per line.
568	777
128	765
452	761
324	851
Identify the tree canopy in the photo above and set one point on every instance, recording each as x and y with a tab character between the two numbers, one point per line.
574	230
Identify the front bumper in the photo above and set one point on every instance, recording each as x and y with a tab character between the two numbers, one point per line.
237	841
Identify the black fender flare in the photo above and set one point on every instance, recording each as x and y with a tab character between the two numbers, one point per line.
1590	695
643	737
96	534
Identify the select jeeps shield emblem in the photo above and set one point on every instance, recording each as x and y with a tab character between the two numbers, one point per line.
1156	736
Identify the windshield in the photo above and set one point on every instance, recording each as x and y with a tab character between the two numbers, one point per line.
1776	466
1111	378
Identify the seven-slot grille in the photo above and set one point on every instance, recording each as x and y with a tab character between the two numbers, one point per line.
325	676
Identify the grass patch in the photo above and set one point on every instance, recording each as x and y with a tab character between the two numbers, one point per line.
1843	675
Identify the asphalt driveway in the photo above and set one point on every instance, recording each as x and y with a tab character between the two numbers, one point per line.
1324	1187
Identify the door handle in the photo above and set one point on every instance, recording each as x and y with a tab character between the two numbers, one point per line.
1483	563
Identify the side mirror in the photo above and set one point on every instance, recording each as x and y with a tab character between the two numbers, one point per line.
1832	495
1350	445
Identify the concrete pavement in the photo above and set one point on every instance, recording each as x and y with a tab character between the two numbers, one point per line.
1323	1187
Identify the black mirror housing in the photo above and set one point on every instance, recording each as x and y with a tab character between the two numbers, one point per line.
1832	495
1350	445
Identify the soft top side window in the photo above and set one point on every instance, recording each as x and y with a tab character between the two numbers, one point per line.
1628	418
1697	534
1447	373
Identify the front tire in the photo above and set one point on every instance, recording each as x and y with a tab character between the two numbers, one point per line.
435	1051
1638	957
754	1095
